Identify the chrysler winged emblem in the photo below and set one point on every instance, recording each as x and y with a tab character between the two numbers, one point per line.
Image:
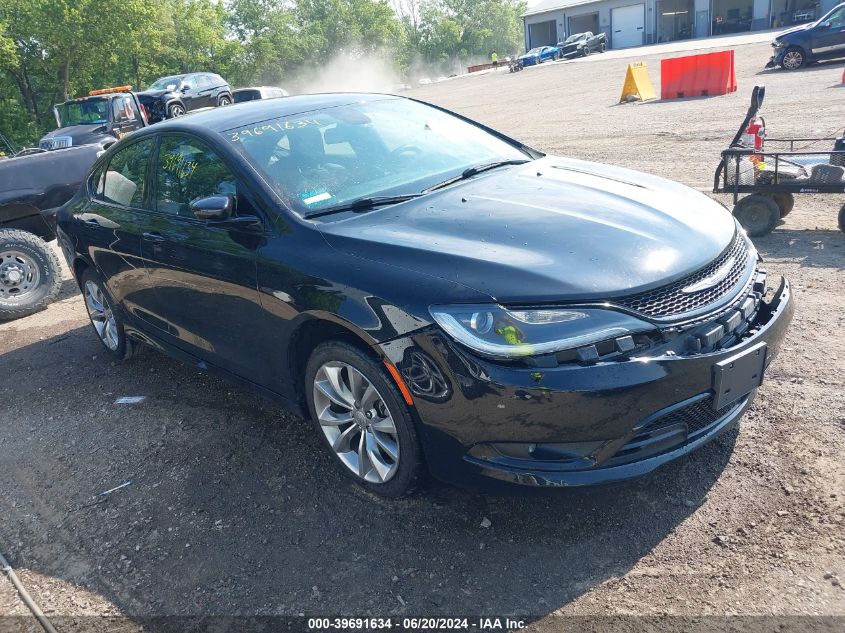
711	280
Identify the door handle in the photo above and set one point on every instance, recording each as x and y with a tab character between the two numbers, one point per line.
153	237
92	222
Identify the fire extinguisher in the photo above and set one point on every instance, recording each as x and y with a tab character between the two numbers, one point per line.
754	135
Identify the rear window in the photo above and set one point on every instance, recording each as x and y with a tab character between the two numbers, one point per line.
246	95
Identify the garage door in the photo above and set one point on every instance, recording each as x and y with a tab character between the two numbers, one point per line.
627	25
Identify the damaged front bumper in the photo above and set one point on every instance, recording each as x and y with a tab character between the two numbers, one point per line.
581	424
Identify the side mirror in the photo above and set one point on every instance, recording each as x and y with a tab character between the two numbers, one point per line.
757	96
184	88
213	207
824	25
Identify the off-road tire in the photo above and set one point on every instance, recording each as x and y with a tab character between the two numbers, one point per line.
126	348
757	214
411	469
39	253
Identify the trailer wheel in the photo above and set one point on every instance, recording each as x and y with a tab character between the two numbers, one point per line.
842	219
757	214
29	274
785	202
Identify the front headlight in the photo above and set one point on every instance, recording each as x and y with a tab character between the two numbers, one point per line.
778	44
498	332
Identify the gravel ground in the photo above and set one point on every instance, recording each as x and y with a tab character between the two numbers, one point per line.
234	509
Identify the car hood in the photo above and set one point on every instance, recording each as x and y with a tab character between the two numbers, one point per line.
79	133
797	29
153	94
551	230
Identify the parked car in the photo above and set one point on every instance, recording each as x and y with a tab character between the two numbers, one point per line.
539	55
822	39
100	118
430	292
582	44
173	96
241	95
31	188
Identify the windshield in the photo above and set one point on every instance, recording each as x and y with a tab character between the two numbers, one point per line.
166	83
575	38
534	51
336	155
836	17
87	112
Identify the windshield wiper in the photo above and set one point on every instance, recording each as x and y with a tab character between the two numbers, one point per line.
362	203
477	169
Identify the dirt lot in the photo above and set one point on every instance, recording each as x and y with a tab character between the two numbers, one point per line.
234	509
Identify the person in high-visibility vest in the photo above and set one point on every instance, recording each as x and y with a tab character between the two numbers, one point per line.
495	59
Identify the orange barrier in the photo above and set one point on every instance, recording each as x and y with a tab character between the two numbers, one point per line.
704	75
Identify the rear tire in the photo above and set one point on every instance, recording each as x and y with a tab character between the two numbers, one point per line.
757	214
842	219
785	202
376	445
30	275
224	100
106	318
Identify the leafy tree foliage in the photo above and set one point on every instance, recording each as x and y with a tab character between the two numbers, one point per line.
51	50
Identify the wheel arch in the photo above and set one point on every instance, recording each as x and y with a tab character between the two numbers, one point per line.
314	329
78	268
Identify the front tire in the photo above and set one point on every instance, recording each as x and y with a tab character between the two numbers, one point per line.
794	58
175	110
30	275
757	214
106	318
363	420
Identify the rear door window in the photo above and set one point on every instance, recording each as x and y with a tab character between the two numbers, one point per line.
125	180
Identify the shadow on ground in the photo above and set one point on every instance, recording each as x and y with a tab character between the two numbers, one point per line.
233	508
814	248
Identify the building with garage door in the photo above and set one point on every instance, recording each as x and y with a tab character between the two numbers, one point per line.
630	23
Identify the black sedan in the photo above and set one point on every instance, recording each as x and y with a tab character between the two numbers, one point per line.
431	293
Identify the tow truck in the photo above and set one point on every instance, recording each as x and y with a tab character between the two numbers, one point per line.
34	182
103	117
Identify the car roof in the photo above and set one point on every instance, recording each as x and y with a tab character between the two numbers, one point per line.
251	112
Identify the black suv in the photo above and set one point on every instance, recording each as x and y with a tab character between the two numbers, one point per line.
173	96
823	39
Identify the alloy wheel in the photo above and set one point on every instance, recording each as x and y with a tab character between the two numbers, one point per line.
356	422
101	315
224	101
793	60
176	111
19	275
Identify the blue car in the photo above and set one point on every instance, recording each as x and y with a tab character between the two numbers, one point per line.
539	55
822	39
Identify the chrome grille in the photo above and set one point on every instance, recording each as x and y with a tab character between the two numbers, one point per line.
670	301
57	142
